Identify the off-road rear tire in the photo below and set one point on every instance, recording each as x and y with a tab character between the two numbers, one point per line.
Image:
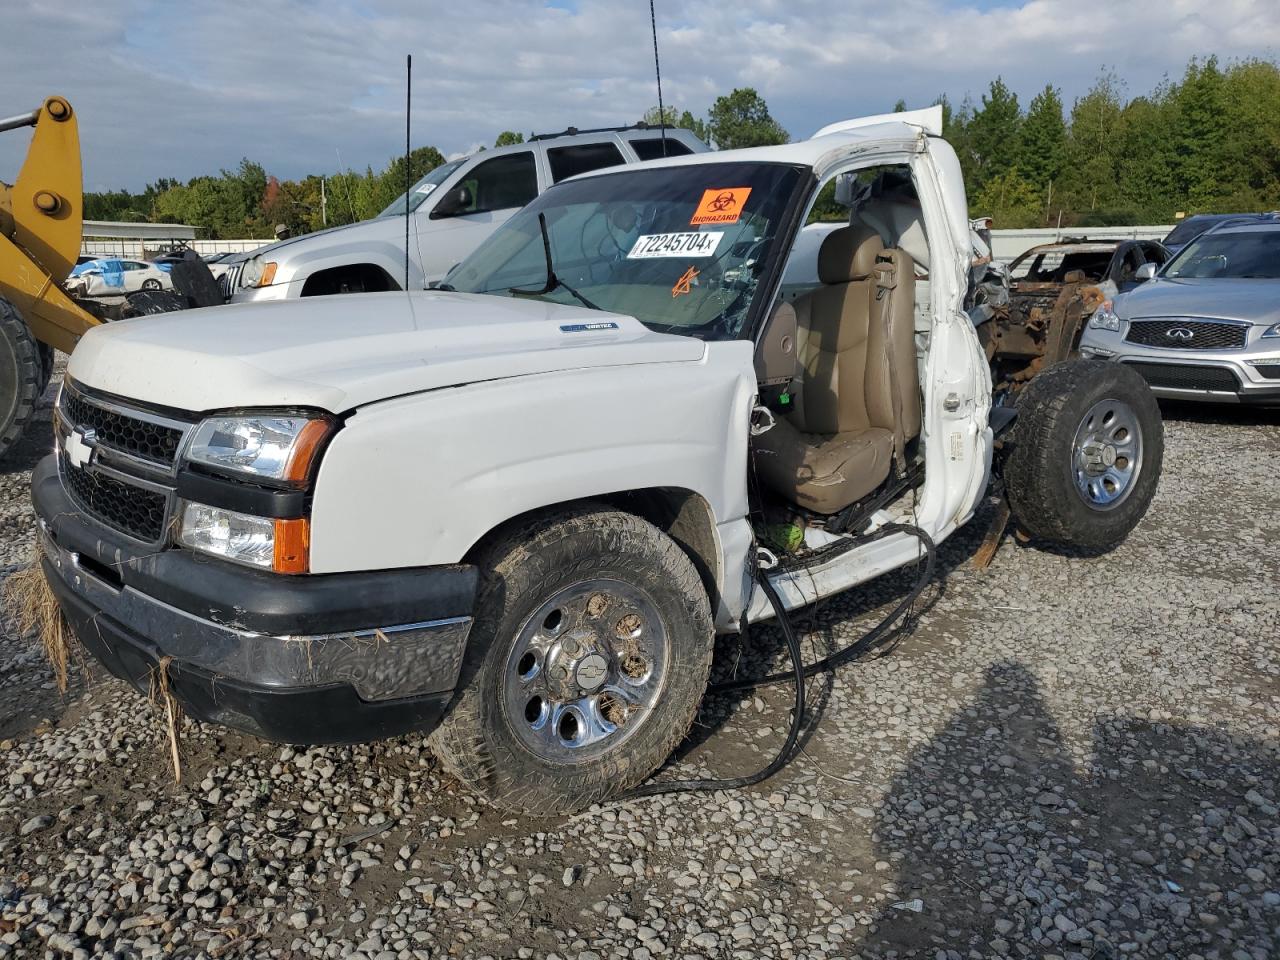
572	563
21	375
1072	419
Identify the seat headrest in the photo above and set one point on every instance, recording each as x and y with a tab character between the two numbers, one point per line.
848	254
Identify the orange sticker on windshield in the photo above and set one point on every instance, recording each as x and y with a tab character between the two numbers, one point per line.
721	205
685	283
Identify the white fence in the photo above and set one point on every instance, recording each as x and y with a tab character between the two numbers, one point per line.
1007	244
140	249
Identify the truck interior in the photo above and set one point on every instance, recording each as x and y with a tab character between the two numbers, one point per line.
845	441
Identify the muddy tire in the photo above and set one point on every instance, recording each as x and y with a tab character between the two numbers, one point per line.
22	375
46	365
586	663
1087	451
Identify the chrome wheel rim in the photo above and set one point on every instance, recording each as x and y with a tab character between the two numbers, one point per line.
585	671
1107	454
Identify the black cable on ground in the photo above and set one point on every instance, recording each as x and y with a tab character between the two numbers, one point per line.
799	673
793	735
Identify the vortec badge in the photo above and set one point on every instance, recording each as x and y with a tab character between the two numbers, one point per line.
79	447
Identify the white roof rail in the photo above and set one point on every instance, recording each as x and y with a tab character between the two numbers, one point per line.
929	120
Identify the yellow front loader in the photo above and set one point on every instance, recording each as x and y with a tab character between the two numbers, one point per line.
41	218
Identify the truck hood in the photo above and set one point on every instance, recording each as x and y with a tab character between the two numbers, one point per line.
340	352
1257	301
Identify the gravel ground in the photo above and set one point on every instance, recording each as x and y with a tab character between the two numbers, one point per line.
1067	757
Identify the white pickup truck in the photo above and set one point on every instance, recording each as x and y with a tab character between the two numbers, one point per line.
515	510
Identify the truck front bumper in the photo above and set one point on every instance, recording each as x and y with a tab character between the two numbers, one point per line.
339	658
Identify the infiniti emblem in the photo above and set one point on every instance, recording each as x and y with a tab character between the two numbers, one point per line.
1179	333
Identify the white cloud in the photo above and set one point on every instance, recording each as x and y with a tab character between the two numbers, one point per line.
175	89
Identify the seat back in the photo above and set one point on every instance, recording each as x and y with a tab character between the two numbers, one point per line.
844	384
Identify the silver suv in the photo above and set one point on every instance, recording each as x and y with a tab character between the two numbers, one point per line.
1207	326
452	209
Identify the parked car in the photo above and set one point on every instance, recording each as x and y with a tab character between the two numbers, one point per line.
1206	327
112	277
1198	223
452	210
514	510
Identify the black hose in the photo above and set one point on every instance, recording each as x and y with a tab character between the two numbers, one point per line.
793	735
868	640
799	672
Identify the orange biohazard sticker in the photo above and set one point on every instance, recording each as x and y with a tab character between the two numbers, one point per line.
685	283
721	205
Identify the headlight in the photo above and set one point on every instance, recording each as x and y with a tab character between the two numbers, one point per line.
268	446
279	545
1104	318
256	273
1272	331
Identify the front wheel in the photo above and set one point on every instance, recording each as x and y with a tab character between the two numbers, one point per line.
1087	451
588	658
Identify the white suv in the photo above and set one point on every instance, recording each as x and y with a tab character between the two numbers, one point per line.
453	209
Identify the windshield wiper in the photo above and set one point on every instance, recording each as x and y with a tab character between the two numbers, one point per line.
552	280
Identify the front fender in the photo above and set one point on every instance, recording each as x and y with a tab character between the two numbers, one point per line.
418	480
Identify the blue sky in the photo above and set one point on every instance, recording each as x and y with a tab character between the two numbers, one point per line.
178	89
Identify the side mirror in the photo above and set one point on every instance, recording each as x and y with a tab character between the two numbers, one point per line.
777	361
453	203
1145	272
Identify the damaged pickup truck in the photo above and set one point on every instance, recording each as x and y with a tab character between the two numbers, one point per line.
514	511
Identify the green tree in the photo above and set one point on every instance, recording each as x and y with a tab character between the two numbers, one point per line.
1043	145
508	138
1010	200
683	120
742	119
993	133
1089	178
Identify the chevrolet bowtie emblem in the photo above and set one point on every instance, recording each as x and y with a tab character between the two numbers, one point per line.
79	447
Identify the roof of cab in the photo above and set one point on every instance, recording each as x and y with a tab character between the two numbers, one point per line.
837	136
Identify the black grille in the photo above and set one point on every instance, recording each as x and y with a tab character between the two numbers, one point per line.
151	441
1268	371
1186	377
1204	334
139	513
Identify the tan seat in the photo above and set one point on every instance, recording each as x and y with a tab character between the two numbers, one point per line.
836	445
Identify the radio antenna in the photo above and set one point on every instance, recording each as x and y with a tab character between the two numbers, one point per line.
408	151
657	69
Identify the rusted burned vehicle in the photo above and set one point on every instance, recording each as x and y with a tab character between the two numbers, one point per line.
1037	306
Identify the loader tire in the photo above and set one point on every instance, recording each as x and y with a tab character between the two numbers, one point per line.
586	663
1086	454
21	373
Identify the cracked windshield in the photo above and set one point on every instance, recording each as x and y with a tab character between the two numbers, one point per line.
682	249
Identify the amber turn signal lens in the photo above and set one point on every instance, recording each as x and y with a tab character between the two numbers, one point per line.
268	274
292	546
305	449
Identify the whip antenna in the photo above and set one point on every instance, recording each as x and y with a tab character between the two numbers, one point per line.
408	173
657	69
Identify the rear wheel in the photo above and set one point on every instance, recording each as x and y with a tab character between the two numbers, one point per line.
151	285
22	375
1087	452
586	663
